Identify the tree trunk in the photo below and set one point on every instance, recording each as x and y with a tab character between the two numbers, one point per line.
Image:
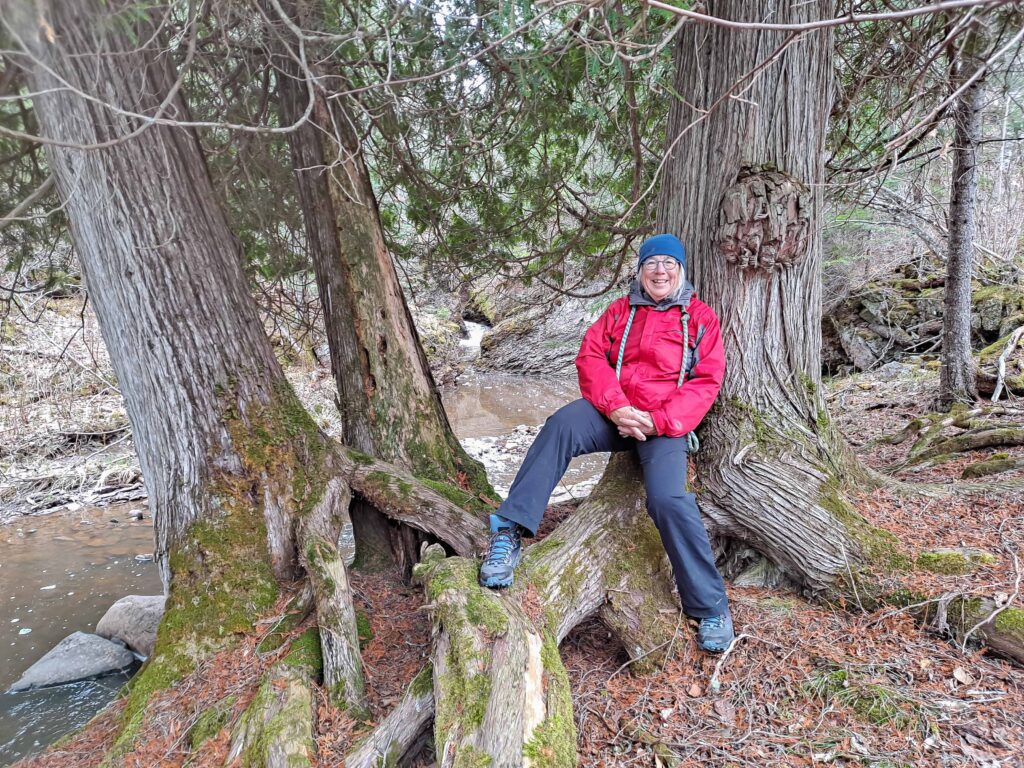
230	458
742	189
387	396
956	370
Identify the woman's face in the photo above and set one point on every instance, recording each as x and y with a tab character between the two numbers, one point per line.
660	276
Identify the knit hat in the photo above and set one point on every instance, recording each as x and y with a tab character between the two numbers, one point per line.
662	245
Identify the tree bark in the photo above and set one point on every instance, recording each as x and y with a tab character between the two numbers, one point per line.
742	189
956	369
389	402
230	458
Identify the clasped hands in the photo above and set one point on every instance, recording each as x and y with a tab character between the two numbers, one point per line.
632	422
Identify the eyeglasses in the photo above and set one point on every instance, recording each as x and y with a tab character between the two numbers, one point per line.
670	265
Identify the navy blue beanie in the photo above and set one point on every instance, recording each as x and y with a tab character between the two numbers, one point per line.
662	245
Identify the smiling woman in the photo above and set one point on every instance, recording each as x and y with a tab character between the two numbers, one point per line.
642	391
662	267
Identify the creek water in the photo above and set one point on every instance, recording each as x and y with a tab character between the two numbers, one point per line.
60	573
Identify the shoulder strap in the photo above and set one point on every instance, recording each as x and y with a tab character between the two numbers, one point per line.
622	344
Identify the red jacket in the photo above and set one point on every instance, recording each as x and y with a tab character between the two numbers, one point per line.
650	367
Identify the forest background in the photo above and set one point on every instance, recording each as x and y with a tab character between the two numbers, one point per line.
250	184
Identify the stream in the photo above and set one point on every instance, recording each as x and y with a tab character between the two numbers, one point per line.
60	573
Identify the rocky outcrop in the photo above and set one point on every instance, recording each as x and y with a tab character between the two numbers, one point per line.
133	620
76	657
900	317
537	333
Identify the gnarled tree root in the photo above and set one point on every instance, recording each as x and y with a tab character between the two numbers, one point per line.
336	617
501	691
276	731
408	499
396	735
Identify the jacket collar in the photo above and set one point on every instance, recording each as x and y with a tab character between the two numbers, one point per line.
638	297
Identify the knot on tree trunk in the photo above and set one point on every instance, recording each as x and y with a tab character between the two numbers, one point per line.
762	220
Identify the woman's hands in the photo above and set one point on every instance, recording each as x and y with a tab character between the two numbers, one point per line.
633	422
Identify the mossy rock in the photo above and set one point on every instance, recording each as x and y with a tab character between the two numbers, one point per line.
480	305
953	561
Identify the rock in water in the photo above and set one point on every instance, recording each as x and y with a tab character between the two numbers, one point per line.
133	620
76	657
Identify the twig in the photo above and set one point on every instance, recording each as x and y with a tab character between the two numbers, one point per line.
1001	364
716	684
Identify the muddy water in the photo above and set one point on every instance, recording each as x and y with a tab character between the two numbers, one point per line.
496	418
60	573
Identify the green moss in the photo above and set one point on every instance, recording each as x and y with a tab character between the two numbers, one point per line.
878	546
210	722
1011	621
872	702
222	582
808	383
280	444
295	613
363	629
423	683
765	438
457	496
452	573
992	352
305	651
470	757
822	420
952	562
553	742
360	458
481	302
995	465
285	697
483	610
903	598
642	553
778	604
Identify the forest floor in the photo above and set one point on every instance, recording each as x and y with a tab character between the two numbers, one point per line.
804	684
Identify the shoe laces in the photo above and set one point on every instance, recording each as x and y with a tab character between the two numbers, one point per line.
503	544
713	622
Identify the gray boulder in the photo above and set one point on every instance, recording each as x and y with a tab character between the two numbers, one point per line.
76	657
862	347
133	620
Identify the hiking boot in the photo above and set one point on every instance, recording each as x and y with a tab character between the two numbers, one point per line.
715	633
503	553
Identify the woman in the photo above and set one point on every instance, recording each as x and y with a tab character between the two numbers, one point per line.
640	392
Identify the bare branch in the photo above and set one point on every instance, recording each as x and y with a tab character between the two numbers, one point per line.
850	18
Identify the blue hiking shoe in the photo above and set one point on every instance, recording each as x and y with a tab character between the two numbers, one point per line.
503	553
715	633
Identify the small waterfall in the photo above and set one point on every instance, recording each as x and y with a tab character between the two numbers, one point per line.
471	344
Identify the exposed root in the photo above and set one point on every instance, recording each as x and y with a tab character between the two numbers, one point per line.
336	616
403	497
485	643
396	735
971	440
992	466
276	731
